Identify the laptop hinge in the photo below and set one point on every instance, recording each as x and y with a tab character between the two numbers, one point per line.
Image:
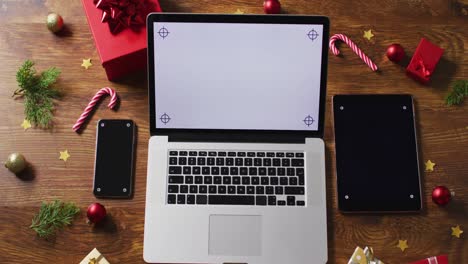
238	138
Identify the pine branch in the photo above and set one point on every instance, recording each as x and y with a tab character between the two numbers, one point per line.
458	93
53	216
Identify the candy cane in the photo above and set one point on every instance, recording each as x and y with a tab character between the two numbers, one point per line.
353	46
89	108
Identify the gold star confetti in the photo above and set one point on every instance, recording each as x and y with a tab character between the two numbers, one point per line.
86	63
93	261
456	231
239	12
368	34
64	155
26	124
430	165
402	244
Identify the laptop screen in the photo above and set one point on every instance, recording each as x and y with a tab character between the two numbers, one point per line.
237	76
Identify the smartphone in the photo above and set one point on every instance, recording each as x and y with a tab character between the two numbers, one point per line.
114	162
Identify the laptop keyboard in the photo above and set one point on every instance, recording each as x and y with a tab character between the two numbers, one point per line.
236	178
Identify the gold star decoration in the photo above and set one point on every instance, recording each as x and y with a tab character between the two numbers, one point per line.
26	124
456	231
368	34
86	63
239	12
64	155
402	244
93	261
430	165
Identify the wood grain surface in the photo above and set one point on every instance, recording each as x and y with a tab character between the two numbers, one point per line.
443	131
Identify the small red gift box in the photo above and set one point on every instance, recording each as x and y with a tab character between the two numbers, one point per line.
433	260
119	30
424	61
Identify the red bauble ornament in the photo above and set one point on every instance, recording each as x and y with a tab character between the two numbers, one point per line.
395	52
272	6
441	195
96	213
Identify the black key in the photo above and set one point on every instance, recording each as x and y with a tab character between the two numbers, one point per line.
198	179
175	170
255	180
293	181
264	180
290	155
202	189
236	180
231	154
221	189
171	198
286	162
283	181
172	161
241	189
222	154
299	155
173	153
260	190
192	161
229	161
224	171
269	190
260	154
280	154
252	171
184	189
192	153
241	154
193	189
250	154
281	171
294	190
234	171
220	161
214	171
212	189
246	180
202	153
201	161
290	171
250	190
274	181
202	199
301	180
261	200
217	180
196	170
188	179
183	153
266	162
271	200
262	171
271	171
232	199
212	153
257	162
187	170
226	180
281	203
205	170
239	162
276	162
270	154
300	203
182	161
181	198
291	200
243	171
173	189
297	162
208	180
176	179
210	161
232	189
300	171
279	190
190	199
248	161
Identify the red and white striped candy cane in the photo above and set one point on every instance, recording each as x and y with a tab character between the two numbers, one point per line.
353	46
89	108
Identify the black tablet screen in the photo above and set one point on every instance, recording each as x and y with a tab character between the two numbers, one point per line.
376	153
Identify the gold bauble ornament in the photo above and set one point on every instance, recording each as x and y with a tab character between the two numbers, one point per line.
16	163
54	22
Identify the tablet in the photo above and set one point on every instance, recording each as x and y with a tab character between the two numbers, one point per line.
377	165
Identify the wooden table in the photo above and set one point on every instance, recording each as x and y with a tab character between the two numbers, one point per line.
443	131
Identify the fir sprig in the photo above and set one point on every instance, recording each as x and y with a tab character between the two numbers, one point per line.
37	93
53	216
458	93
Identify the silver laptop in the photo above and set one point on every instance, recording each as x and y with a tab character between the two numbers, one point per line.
236	160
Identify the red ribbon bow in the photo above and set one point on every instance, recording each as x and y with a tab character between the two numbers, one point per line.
422	68
121	14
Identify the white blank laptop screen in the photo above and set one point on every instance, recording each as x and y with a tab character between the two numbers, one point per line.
237	76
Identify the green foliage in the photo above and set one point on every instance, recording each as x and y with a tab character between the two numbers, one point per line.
458	93
53	216
37	93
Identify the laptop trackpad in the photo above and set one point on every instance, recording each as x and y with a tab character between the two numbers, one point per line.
235	235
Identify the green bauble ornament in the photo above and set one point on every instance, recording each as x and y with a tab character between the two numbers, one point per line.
16	163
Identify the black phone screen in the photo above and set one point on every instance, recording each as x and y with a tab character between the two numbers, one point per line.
113	174
376	153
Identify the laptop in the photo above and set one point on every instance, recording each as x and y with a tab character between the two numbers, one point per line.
236	159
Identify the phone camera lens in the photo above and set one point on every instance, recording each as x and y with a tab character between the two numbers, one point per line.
124	189
102	124
98	189
128	124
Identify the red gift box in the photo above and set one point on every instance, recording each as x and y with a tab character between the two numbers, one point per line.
424	61
121	45
433	260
